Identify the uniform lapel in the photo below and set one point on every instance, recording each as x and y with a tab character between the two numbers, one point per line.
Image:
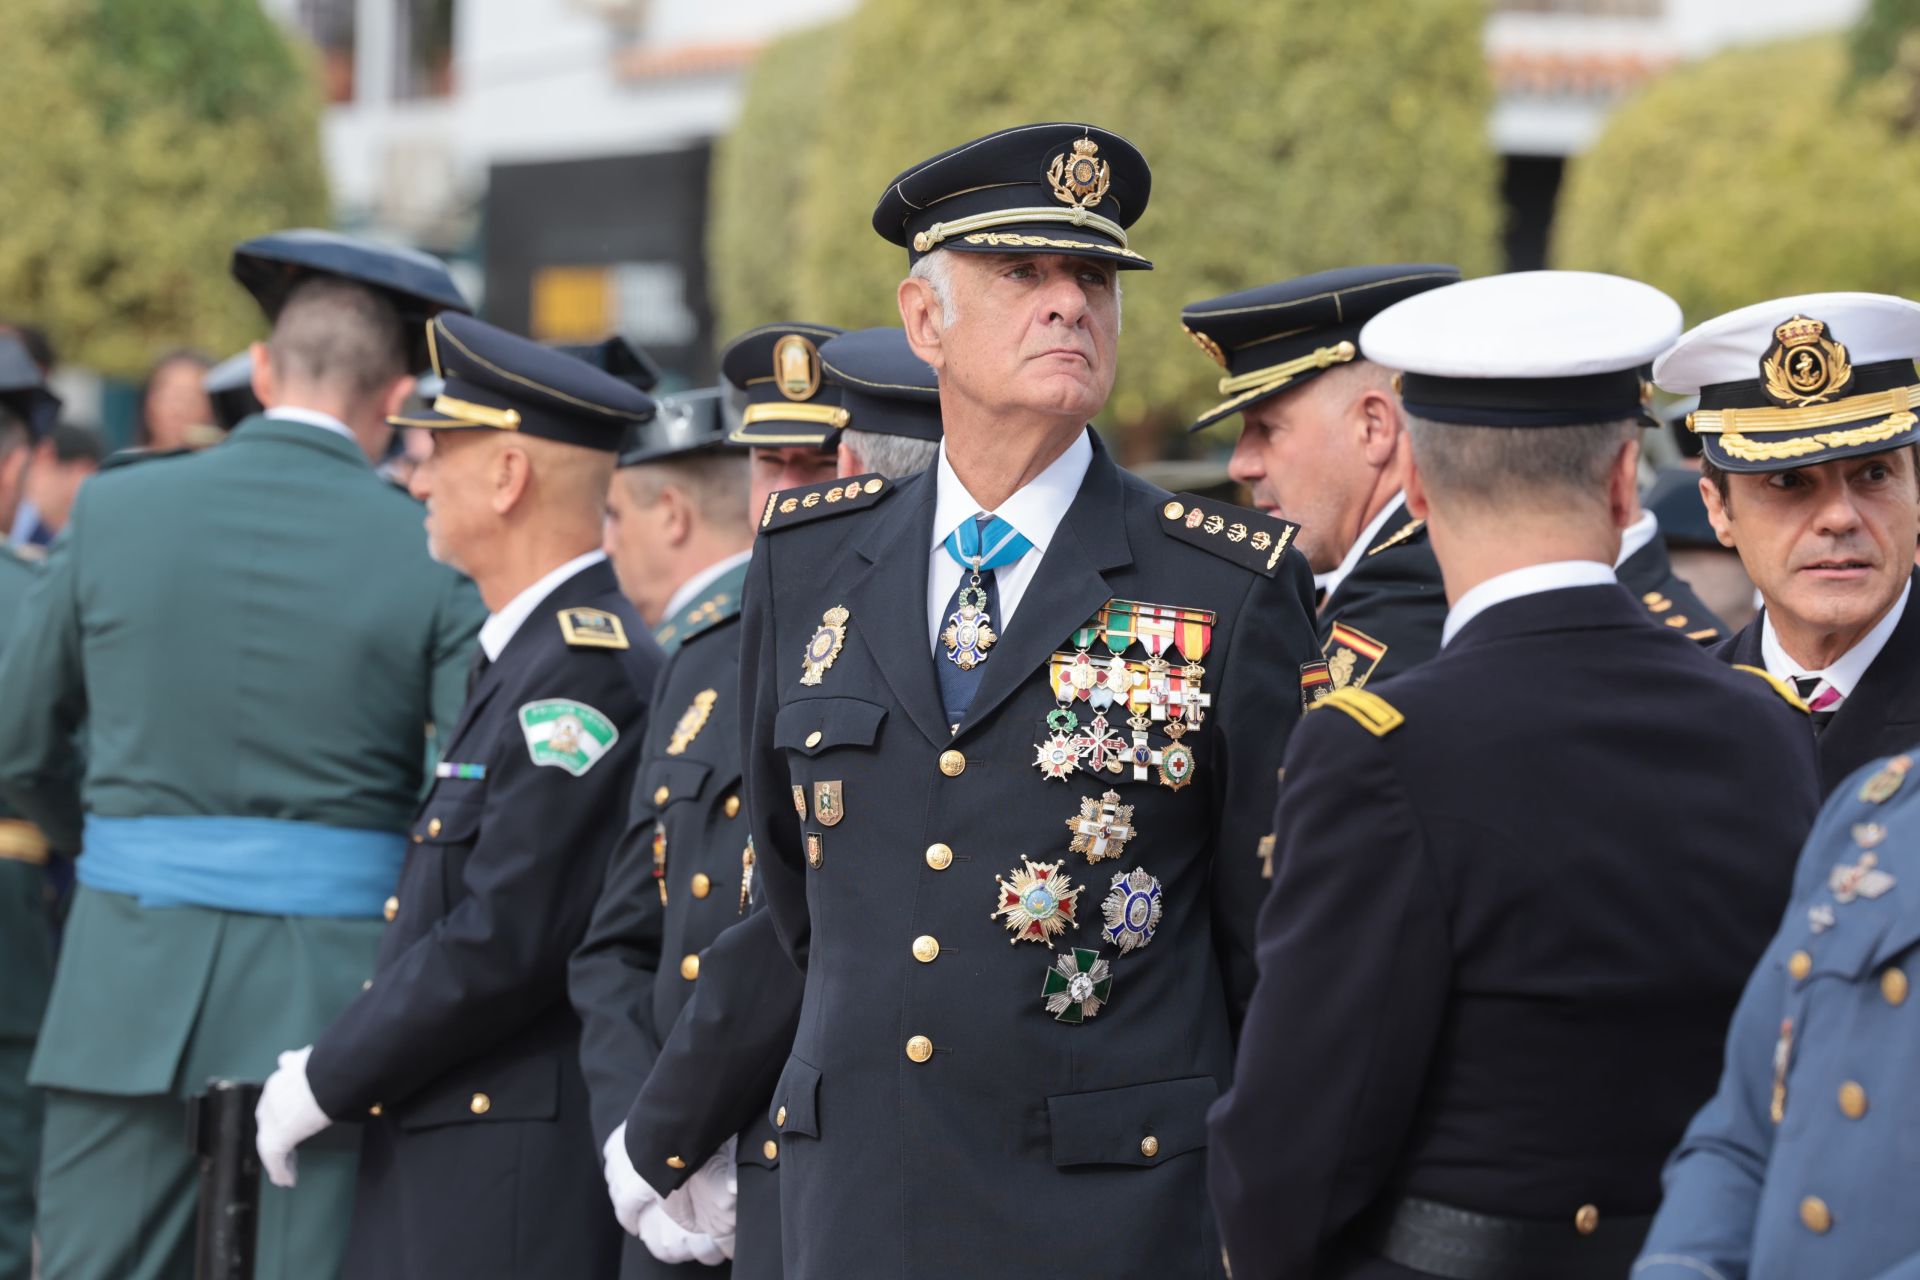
1878	717
1396	523
888	603
1066	589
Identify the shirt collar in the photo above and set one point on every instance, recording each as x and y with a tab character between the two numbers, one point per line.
313	418
1330	583
499	628
684	594
1637	535
1036	508
1846	672
1513	584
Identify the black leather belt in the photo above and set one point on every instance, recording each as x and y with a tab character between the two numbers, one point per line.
1455	1244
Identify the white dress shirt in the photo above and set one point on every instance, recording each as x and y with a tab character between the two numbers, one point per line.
1846	672
1531	580
1637	535
313	418
1330	582
1035	510
684	594
500	627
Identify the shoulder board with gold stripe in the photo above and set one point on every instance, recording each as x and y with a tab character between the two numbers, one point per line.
1371	711
1246	537
1781	687
788	507
1411	529
592	629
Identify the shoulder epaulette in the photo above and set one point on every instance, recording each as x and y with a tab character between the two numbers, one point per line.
592	629
1371	711
789	507
708	614
1250	538
1410	529
1781	687
128	457
1661	607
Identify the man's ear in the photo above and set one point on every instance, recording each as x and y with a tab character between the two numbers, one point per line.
266	388
921	316
1623	485
1376	419
1719	512
512	478
395	397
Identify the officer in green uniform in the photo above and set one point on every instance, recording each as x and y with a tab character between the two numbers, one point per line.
26	944
267	642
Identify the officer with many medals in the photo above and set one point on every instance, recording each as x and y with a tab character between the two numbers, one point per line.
1491	889
708	1089
461	1056
1040	679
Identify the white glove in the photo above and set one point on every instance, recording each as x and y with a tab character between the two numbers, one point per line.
630	1193
286	1116
706	1202
669	1243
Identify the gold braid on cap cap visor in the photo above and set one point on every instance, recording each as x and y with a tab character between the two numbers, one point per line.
468	414
1733	426
826	415
1255	383
929	240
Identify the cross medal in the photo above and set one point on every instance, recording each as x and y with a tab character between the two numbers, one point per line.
969	633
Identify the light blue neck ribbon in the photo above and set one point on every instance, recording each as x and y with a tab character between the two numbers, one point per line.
982	543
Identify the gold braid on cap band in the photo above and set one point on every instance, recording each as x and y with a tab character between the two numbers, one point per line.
1732	425
1259	382
477	415
926	241
826	415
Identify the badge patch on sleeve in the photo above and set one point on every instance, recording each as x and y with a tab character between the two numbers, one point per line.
568	735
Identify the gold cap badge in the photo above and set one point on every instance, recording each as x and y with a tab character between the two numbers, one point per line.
1081	179
1208	345
1804	365
796	367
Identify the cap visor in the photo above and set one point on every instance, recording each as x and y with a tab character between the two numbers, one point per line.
1047	238
1760	452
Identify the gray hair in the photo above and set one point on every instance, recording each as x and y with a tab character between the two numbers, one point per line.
895	457
714	482
1517	467
936	268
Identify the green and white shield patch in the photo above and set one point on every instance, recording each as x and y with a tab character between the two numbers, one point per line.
568	735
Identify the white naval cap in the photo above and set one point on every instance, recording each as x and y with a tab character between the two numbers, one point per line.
1532	348
1801	380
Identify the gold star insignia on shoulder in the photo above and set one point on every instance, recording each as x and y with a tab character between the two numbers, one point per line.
592	629
788	507
1244	536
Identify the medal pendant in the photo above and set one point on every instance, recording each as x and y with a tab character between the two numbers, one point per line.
1132	909
1880	787
1036	902
1175	766
1079	983
1056	757
1100	747
1862	879
660	861
969	632
1102	827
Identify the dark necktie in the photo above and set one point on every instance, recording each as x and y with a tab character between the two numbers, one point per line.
480	664
1822	707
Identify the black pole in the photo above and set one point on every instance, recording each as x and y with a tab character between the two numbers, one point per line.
220	1131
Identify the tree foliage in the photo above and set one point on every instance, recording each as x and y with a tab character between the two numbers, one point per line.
148	137
1749	175
1285	137
1875	42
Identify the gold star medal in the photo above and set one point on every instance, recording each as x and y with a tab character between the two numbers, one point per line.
1036	901
1102	827
825	645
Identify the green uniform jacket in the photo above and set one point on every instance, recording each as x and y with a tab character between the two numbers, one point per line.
251	631
26	944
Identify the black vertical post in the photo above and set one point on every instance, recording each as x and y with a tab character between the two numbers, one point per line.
220	1130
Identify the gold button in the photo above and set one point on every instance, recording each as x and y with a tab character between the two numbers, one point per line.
919	1048
1799	964
481	1104
702	886
771	1148
433	828
780	1118
925	948
1814	1213
392	908
1893	985
675	1162
1853	1100
875	485
1586	1219
1149	1146
690	967
374	1110
1173	511
660	794
939	856
952	763
813	739
732	807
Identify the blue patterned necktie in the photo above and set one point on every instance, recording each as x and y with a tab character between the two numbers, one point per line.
979	546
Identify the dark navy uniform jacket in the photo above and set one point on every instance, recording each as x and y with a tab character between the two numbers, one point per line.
463	1055
1802	1164
1882	716
641	960
1393	602
1648	576
936	1120
1516	893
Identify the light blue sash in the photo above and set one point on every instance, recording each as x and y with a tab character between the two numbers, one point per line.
264	866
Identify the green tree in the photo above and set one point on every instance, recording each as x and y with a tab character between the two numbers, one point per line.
1874	44
149	136
1749	175
758	170
1285	137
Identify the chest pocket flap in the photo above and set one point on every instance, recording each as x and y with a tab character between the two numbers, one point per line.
664	781
813	725
1142	1124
